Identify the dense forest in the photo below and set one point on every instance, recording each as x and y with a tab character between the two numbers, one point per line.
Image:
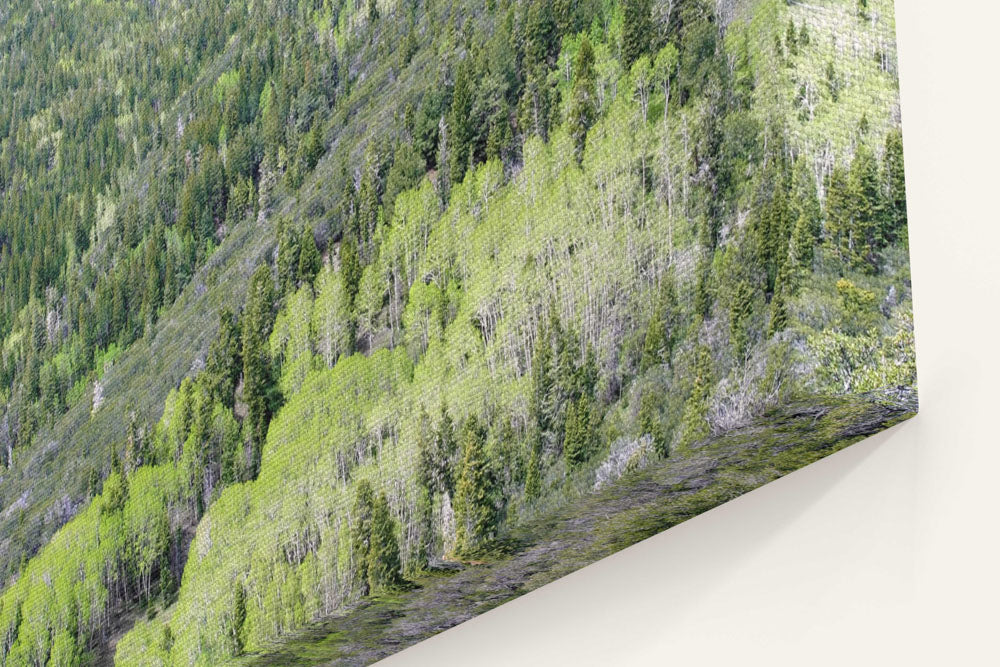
301	298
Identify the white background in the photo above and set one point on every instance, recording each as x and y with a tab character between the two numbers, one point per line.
885	553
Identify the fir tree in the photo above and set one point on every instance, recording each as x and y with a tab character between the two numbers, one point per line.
539	34
584	105
533	481
792	38
259	390
460	130
895	185
838	216
832	81
577	444
541	379
310	261
350	270
658	344
651	425
384	570
313	148
368	206
741	310
287	263
694	425
475	513
238	619
779	308
637	29
361	533
866	210
224	365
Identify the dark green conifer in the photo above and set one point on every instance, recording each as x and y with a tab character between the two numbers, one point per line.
637	30
578	442
384	570
460	130
584	104
259	390
361	533
650	423
310	261
475	512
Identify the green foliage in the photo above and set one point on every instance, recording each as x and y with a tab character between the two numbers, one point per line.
475	511
460	123
636	29
664	70
438	450
238	619
578	443
661	333
361	534
895	180
567	254
694	424
650	423
258	383
383	555
310	261
584	106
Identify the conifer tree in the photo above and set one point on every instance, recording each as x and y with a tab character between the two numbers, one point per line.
637	29
895	184
803	244
535	107
361	533
539	35
533	480
741	308
584	103
541	378
779	307
310	261
350	269
792	38
578	442
313	147
694	425
838	216
287	264
655	343
436	447
832	81
650	424
658	344
368	206
475	514
238	619
384	570
866	210
259	390
224	365
460	130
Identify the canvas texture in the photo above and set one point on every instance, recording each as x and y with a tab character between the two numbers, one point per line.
327	326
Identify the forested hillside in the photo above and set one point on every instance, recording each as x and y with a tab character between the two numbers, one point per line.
302	299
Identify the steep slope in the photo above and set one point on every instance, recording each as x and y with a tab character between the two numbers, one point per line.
578	255
553	545
50	473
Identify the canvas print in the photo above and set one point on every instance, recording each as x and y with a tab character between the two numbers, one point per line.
326	325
